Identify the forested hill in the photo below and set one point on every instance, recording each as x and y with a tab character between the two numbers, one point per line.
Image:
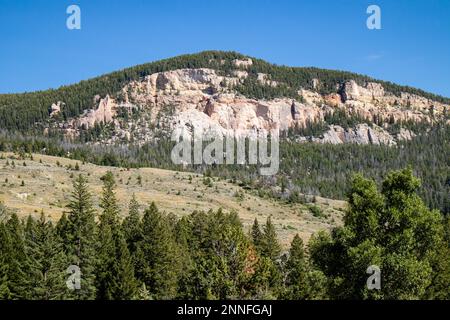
25	111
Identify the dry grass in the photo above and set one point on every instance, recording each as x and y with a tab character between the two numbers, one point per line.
48	186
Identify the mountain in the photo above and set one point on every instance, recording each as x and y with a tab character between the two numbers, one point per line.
249	77
333	123
204	99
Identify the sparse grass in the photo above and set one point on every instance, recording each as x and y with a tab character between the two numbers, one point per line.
42	176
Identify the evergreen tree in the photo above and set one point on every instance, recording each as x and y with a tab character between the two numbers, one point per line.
47	263
108	202
270	247
5	252
115	274
18	267
131	226
301	281
222	256
257	235
124	286
393	230
78	233
183	237
264	283
158	266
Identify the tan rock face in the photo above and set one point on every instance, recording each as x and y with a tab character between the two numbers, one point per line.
372	100
369	93
362	134
104	113
55	109
203	98
243	63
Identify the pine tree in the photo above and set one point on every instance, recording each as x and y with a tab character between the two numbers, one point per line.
108	202
296	269
183	237
104	270
257	236
131	226
222	254
18	266
47	263
157	264
391	229
5	252
302	282
124	286
78	233
115	274
270	247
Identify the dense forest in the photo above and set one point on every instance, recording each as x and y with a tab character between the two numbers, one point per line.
148	254
27	112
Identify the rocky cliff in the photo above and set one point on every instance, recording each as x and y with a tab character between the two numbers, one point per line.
207	99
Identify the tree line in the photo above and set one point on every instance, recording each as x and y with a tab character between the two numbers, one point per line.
149	254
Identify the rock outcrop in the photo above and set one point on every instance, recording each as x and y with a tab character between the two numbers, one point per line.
361	134
205	99
55	109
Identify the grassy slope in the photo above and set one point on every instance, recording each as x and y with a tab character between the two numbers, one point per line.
47	187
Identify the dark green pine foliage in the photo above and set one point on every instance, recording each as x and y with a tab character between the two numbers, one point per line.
391	229
18	265
183	237
221	253
5	258
124	285
114	268
266	282
270	247
158	264
47	263
106	247
268	277
78	233
257	236
131	225
302	282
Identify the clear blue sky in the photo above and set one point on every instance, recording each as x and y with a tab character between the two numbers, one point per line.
37	51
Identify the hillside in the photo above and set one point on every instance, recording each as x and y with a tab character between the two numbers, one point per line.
27	111
332	123
48	183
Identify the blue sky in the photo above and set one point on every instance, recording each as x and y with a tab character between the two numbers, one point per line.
37	51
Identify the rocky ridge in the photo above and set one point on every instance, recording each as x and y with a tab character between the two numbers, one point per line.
205	99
